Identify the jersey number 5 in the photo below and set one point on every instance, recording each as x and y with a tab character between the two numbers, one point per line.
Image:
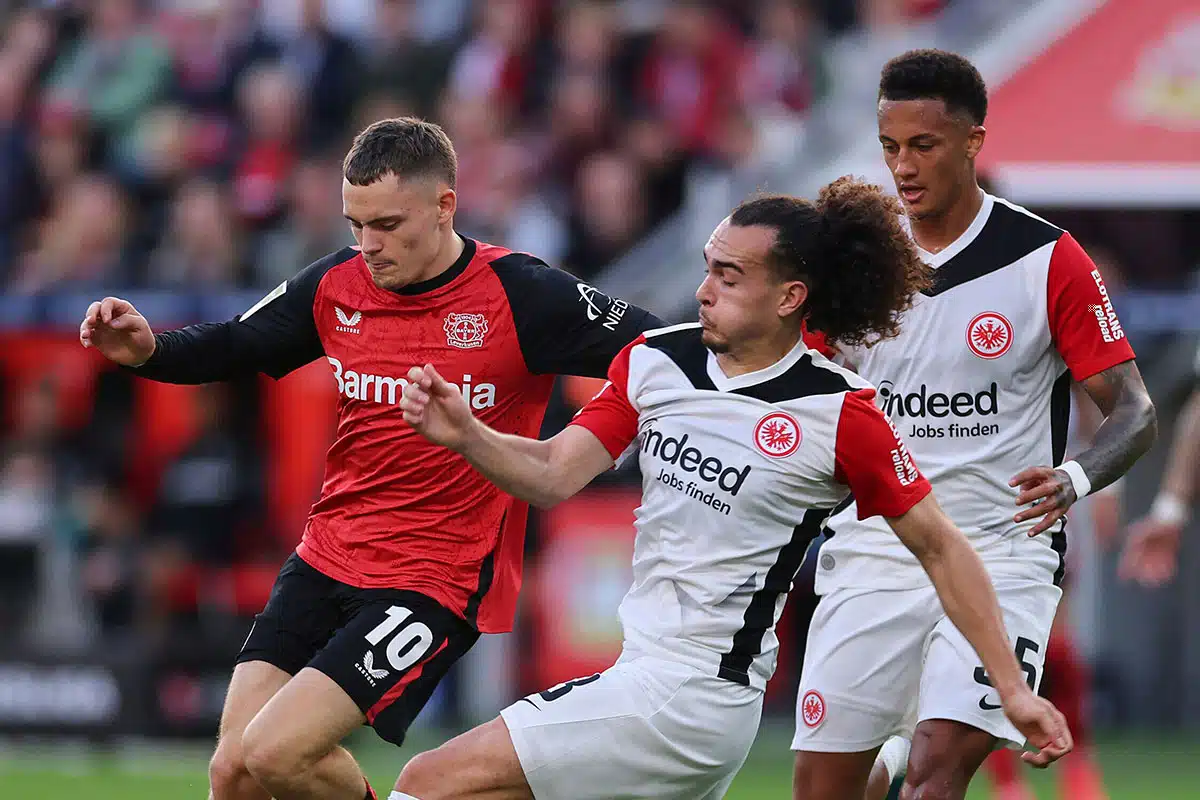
1023	646
409	645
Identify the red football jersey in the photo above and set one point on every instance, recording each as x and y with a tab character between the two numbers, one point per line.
396	511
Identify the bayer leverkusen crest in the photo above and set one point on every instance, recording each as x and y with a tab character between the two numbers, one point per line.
465	331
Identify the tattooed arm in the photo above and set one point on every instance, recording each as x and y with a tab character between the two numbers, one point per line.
1129	429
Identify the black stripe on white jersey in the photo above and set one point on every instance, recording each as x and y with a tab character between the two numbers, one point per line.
1008	235
760	613
1060	424
686	349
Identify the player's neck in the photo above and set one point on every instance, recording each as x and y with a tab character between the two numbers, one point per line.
451	248
758	355
935	234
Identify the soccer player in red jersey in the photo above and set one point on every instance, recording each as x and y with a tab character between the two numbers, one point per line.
408	554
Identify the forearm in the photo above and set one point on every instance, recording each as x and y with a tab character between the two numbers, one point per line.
966	594
202	353
522	467
1129	428
1179	480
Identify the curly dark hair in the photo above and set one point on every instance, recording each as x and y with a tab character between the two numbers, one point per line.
936	74
861	267
406	147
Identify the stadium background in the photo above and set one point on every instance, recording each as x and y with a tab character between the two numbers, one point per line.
185	154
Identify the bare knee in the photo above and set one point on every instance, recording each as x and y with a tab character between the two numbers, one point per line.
425	776
943	760
228	777
268	759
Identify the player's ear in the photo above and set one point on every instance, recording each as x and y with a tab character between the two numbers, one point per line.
793	297
975	140
447	204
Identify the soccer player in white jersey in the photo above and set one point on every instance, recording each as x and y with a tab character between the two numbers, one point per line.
746	440
1152	550
978	384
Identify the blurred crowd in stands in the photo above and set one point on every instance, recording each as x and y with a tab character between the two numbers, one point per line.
166	143
196	145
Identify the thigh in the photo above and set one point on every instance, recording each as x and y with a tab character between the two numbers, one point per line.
302	614
862	668
304	721
252	686
390	654
642	729
954	684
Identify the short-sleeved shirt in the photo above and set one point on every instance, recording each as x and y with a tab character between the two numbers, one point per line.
737	476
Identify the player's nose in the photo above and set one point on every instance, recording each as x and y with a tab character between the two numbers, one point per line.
704	291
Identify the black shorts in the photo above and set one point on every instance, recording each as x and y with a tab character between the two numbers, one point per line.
387	648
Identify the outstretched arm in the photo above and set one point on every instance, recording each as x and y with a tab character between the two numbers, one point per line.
543	473
966	593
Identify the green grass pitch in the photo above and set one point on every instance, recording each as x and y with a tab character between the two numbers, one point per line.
1134	769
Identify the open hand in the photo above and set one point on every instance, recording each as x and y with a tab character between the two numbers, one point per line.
1044	727
1151	553
115	328
436	408
1049	490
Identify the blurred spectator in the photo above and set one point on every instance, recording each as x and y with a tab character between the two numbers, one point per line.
271	102
578	125
18	185
208	498
496	63
402	65
609	214
26	508
778	74
116	72
83	241
314	228
650	141
111	565
325	64
61	149
689	75
200	247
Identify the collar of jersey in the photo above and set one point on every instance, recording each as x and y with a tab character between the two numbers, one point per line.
726	384
438	281
958	245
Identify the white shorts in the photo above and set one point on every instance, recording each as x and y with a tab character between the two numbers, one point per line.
878	662
644	728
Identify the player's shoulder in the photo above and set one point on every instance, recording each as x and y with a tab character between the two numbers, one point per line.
509	263
1022	229
809	374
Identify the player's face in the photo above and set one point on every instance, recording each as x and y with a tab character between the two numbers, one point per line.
741	297
930	153
398	223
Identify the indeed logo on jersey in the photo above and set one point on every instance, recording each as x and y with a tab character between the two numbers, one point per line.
1106	317
937	404
387	390
690	459
924	403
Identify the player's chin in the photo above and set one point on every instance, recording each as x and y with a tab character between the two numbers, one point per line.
714	341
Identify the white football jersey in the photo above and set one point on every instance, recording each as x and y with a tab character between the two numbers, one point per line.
738	476
979	385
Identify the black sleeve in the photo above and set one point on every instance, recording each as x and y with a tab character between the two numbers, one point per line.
274	336
565	326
